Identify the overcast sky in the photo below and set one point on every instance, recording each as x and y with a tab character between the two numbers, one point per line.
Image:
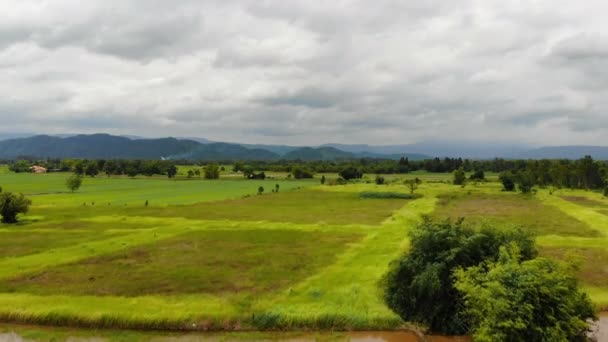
308	72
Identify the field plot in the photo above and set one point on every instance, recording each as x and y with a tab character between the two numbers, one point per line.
526	211
215	255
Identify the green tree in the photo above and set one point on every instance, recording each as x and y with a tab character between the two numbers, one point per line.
190	173
172	171
276	188
605	190
419	286
350	172
508	181
91	169
533	300
323	180
412	184
11	205
212	171
379	180
73	182
478	175
260	190
301	172
460	177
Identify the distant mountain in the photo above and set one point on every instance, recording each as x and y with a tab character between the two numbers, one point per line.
320	153
7	136
278	149
452	149
566	152
225	151
93	146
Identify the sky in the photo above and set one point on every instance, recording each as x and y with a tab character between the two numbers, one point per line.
308	72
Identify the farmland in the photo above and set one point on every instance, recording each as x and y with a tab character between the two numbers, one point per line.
215	254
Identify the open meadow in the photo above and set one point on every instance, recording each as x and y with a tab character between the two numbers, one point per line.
214	254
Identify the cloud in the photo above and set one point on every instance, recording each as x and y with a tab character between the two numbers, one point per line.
307	72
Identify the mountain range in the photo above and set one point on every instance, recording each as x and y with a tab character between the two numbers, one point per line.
98	146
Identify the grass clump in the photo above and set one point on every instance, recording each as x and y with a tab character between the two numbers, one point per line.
388	195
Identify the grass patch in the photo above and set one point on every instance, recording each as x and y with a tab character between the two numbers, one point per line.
303	206
388	195
593	262
217	262
20	243
526	211
584	201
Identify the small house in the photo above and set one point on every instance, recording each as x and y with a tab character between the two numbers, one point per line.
38	169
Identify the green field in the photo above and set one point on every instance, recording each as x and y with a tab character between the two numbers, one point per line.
215	255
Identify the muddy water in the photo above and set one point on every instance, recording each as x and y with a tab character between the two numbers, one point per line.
600	333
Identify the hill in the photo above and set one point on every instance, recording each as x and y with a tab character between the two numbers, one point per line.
226	151
566	152
95	146
320	153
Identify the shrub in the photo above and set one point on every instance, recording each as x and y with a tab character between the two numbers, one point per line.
508	181
379	180
260	190
323	180
11	205
460	177
419	286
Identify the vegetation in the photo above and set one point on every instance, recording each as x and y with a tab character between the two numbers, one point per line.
76	239
420	285
212	171
387	195
508	181
73	182
514	299
460	177
350	173
12	205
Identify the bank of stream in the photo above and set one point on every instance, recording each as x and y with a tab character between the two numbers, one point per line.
23	333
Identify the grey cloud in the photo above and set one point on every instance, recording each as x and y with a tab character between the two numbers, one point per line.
302	72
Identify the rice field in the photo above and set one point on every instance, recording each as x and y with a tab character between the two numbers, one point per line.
217	255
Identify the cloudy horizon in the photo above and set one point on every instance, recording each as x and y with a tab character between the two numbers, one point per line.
307	72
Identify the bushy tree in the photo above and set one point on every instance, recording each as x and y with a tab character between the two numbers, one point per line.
460	177
323	180
350	172
533	300
508	181
301	172
260	190
172	171
525	181
11	205
478	175
419	286
91	169
379	180
73	182
212	171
